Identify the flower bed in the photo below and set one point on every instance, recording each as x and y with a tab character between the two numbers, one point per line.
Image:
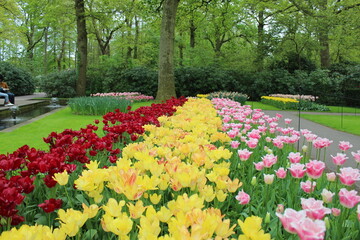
280	102
135	96
188	175
293	102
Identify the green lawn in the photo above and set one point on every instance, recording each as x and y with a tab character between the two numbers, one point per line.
33	133
259	105
346	123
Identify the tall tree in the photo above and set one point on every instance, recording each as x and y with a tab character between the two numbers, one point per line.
166	79
82	47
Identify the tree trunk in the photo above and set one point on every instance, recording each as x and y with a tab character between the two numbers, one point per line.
136	42
82	47
45	70
192	33
260	51
324	37
166	79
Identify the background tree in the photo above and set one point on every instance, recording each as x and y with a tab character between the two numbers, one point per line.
166	81
82	47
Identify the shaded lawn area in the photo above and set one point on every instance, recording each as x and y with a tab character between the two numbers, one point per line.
32	134
346	123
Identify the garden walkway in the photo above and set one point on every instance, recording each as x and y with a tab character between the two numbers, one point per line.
324	132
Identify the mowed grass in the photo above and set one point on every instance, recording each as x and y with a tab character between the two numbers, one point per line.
32	134
345	123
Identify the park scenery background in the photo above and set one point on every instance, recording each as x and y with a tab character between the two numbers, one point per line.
176	151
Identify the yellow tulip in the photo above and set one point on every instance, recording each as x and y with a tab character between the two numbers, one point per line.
155	199
61	178
251	229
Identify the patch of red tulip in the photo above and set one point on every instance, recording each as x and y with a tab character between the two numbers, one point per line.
69	150
51	205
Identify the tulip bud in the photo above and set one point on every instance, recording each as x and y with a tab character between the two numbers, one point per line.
267	217
327	223
253	181
304	148
280	208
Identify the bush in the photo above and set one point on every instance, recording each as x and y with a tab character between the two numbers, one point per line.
118	79
19	81
97	105
190	81
59	84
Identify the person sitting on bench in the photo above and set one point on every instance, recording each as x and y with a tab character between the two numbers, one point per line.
6	103
4	89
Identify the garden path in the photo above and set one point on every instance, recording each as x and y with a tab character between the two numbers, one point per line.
324	132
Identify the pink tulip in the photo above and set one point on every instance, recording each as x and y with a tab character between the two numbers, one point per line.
339	159
321	143
280	208
278	115
358	212
268	139
309	229
315	168
297	170
308	186
244	154
331	177
281	173
269	178
310	137
314	208
291	218
294	157
327	195
269	160
242	197
343	145
234	144
254	134
335	212
287	120
278	142
259	166
356	156
252	142
348	175
348	198
232	133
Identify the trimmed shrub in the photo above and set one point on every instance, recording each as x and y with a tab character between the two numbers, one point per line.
19	81
59	84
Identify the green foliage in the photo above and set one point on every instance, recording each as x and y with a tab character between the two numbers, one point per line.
191	81
19	81
59	84
119	79
277	81
235	96
312	106
97	105
293	62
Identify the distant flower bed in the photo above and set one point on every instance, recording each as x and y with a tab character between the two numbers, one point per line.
293	102
136	96
280	102
235	96
297	97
